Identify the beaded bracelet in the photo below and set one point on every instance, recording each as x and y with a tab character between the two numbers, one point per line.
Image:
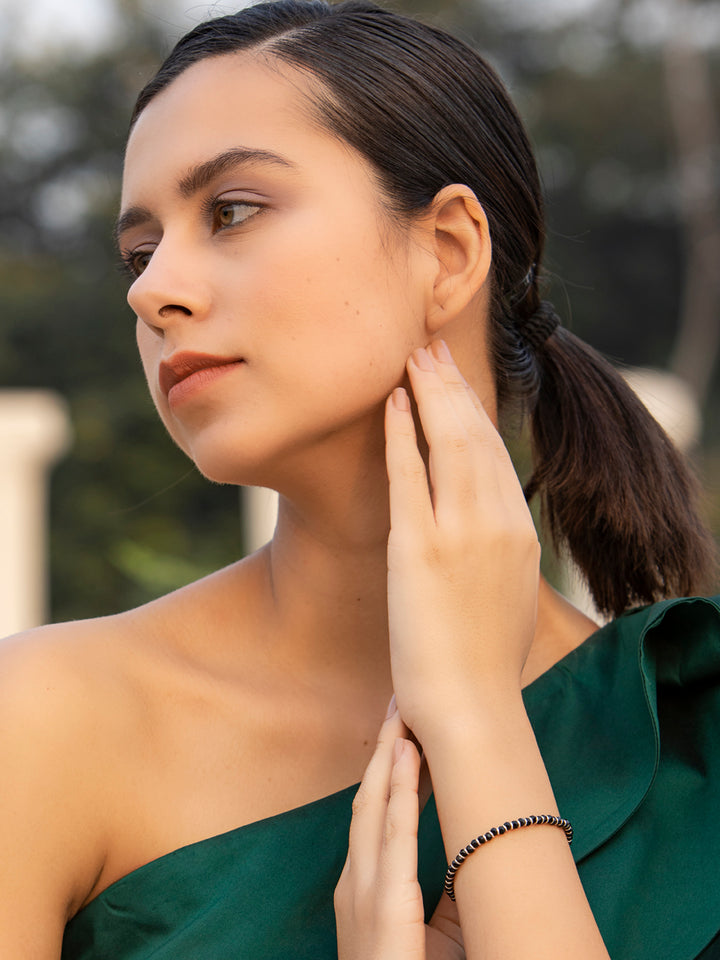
497	832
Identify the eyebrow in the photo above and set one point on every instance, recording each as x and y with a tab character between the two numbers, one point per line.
200	176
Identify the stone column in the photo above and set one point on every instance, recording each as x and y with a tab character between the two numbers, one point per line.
259	507
34	432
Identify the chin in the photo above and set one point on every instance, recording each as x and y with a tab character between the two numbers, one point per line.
234	470
244	462
260	455
222	452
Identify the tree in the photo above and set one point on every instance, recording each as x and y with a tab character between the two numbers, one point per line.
131	518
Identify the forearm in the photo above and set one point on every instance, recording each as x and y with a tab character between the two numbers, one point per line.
520	896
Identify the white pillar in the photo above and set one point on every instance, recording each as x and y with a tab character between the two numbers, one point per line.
34	432
259	507
672	402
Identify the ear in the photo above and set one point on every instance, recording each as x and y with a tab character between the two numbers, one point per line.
462	250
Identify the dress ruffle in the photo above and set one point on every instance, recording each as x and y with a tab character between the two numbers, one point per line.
632	747
629	728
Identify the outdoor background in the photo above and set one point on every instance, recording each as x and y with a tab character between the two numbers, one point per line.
622	98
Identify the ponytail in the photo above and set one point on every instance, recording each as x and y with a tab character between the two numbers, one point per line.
614	490
425	110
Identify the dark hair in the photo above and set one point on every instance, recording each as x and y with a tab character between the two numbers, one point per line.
427	111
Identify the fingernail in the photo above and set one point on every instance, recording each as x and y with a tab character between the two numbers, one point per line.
421	359
400	399
398	748
392	708
440	351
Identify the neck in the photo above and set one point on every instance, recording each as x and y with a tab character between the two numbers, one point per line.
326	573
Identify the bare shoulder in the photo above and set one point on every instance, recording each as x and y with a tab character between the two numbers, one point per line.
91	719
58	705
54	677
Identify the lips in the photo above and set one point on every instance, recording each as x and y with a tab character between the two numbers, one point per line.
184	365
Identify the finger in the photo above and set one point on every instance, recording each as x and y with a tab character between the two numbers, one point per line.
370	804
471	411
465	401
399	851
458	476
410	506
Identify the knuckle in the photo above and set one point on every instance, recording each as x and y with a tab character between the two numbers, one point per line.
457	388
477	434
431	555
405	430
512	535
412	471
391	831
360	802
457	442
467	499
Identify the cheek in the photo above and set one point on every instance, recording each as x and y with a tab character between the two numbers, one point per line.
141	338
328	292
150	349
373	319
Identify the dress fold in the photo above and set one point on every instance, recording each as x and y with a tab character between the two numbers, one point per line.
629	728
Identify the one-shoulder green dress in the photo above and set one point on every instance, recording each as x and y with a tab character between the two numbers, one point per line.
629	728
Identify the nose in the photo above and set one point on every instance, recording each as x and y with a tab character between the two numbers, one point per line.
168	290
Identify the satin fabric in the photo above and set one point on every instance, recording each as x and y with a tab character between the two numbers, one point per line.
629	728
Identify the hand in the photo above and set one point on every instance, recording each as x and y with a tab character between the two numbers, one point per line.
463	555
463	571
378	901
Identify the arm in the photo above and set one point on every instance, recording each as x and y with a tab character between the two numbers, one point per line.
463	569
45	831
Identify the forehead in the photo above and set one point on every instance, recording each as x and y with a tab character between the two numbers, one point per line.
225	101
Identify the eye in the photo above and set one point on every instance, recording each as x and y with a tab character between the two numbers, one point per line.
231	213
135	262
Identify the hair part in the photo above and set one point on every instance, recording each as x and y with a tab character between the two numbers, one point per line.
427	111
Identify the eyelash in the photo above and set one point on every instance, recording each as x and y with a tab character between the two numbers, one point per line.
213	205
128	264
210	209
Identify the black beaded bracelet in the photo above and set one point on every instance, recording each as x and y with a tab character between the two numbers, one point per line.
498	832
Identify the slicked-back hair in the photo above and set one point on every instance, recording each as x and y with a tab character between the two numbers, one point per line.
427	111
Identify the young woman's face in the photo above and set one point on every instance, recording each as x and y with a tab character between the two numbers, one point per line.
265	268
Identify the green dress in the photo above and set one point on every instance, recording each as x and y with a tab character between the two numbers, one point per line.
629	728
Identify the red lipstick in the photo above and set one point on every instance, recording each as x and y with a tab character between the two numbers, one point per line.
185	373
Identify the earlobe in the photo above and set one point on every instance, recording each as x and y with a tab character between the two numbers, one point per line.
463	253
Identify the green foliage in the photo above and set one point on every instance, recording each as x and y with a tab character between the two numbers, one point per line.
126	500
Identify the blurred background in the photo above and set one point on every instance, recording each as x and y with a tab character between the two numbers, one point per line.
622	99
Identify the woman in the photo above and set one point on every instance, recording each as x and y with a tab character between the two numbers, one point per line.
324	210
